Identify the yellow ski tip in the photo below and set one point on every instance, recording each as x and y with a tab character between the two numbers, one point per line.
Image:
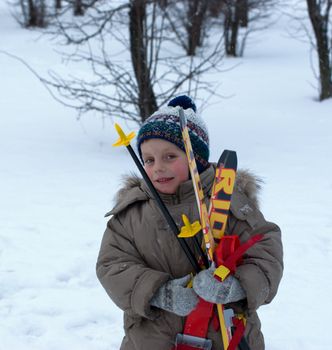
189	230
124	139
222	272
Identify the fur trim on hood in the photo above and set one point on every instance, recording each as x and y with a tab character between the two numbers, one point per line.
249	184
129	181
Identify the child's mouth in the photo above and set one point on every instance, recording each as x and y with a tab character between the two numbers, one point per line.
164	180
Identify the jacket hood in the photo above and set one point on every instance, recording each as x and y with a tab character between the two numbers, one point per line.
128	183
132	189
249	184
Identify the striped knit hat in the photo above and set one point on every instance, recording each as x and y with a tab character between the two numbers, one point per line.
165	124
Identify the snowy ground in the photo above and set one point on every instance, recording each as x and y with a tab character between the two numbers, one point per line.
59	175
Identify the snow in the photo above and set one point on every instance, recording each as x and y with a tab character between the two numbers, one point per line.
59	176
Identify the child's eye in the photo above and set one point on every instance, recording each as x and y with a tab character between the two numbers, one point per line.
170	156
148	161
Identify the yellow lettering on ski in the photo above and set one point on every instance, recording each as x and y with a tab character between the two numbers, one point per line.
221	204
220	219
226	183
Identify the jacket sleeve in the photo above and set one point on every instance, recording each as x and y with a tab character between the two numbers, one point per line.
262	267
123	273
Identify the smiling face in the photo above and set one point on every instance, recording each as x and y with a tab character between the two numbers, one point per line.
165	164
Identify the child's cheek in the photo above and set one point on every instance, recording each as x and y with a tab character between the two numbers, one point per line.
148	171
181	170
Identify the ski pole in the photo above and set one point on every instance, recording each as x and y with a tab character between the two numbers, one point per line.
124	140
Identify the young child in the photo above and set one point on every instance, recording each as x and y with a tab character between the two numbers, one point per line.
141	264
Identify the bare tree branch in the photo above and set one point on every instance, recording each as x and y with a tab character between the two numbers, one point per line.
132	71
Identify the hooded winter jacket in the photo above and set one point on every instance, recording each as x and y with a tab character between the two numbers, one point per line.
139	254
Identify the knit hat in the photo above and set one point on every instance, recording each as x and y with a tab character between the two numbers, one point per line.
165	124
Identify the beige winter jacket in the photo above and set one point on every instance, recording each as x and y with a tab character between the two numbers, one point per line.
139	253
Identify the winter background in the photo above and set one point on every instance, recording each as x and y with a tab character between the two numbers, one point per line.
59	176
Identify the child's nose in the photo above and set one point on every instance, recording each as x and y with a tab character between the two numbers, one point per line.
159	166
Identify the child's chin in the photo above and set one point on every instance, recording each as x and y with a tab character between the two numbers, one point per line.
166	190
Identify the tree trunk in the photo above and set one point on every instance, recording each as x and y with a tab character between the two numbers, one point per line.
228	20
41	14
320	26
162	4
58	4
147	103
196	15
78	8
233	13
36	14
32	14
235	28
215	7
243	10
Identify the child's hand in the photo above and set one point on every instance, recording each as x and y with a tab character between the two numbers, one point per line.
217	292
173	296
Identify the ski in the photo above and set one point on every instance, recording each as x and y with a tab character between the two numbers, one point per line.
219	208
206	228
221	195
203	212
228	251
